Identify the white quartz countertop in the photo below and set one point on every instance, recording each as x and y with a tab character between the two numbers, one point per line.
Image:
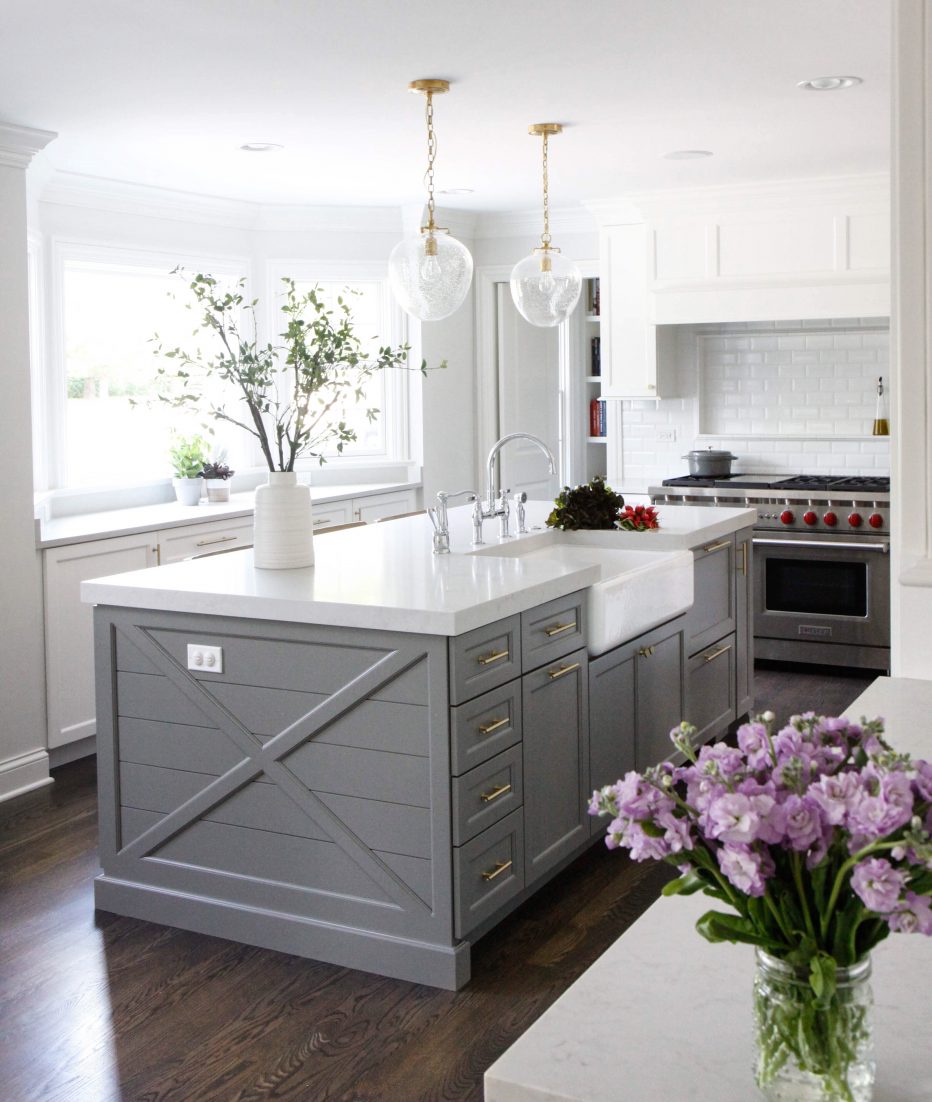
664	1014
386	576
58	531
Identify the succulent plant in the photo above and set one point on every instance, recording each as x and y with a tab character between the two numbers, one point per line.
217	470
594	505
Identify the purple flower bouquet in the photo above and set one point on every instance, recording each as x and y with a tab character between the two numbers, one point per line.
818	840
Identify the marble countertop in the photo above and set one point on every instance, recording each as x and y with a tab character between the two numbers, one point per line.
59	531
662	989
386	576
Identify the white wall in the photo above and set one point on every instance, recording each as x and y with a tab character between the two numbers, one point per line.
785	397
23	759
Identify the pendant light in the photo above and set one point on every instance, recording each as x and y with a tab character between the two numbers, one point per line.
545	285
430	273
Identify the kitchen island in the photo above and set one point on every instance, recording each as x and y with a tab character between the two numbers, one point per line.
372	761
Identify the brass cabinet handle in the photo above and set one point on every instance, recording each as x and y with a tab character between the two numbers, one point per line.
744	559
493	725
488	797
321	520
562	671
495	656
645	652
500	867
717	653
558	629
718	546
218	539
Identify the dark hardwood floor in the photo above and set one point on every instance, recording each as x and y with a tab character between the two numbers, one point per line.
102	1008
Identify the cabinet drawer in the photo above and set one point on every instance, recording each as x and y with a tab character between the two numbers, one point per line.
710	689
485	726
193	540
329	513
487	872
552	630
486	794
484	658
713	613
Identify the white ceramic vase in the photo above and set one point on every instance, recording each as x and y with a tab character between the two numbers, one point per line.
283	527
188	490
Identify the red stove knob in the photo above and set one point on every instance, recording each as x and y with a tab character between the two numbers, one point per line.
787	517
875	520
810	518
830	519
854	519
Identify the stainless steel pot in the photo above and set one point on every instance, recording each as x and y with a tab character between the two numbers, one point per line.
709	463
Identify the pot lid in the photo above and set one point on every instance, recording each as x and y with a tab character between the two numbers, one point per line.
708	453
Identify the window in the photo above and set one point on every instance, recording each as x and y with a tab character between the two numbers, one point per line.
376	321
106	424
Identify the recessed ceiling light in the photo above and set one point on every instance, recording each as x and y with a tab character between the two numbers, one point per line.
260	147
687	154
456	191
828	84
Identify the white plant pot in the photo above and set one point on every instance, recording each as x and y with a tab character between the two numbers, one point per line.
188	490
218	489
283	526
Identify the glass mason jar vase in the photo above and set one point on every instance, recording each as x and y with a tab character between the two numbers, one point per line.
812	1048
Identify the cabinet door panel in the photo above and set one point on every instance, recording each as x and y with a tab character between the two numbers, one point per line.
556	762
69	628
660	675
383	505
744	628
611	721
713	613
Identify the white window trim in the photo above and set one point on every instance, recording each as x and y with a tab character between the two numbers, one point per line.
402	388
51	390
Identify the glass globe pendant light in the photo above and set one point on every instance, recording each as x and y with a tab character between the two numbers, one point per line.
545	286
430	273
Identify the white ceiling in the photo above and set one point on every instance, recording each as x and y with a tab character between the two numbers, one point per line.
163	92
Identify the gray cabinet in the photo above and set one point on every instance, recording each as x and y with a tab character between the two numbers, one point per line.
556	762
719	636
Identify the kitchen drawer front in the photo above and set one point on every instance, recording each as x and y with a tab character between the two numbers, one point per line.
485	726
710	689
484	658
193	540
326	515
553	629
713	614
487	872
486	794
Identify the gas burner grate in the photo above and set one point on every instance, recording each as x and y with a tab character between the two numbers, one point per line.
877	483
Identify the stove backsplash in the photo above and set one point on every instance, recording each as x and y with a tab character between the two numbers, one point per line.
783	396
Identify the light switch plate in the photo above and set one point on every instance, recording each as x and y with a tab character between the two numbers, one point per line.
666	436
202	657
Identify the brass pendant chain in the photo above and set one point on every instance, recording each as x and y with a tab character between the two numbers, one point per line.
431	156
545	236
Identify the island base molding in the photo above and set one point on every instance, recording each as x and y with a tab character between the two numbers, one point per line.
24	773
441	966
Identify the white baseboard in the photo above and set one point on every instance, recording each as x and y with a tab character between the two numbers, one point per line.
24	773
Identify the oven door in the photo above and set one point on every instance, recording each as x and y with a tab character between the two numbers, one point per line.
820	591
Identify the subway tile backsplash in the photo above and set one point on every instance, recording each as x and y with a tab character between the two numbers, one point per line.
785	397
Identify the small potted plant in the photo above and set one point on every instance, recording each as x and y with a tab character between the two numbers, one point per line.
217	477
188	455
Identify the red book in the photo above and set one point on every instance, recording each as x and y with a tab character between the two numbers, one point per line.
594	417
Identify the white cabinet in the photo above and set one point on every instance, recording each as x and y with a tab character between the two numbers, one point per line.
331	513
204	538
629	334
69	644
384	505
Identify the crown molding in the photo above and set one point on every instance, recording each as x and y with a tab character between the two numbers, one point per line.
870	190
19	144
294	217
529	223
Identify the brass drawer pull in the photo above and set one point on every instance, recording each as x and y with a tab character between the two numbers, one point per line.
718	546
495	656
558	629
562	671
717	653
493	725
488	797
218	539
321	520
500	867
645	652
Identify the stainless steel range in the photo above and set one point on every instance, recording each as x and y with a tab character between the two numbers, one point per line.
821	561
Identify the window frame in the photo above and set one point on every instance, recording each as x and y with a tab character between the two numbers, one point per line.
50	383
400	386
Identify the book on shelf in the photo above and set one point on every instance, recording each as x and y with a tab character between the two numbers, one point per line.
595	359
596	417
592	297
602	426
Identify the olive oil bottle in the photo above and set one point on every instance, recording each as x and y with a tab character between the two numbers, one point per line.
881	420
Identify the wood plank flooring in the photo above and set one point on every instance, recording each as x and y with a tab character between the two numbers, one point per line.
102	1008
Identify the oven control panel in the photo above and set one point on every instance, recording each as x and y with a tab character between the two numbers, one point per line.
832	518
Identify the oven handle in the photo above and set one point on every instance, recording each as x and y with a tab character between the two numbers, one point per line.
882	547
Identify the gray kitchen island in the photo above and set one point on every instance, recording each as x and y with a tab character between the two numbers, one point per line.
372	761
